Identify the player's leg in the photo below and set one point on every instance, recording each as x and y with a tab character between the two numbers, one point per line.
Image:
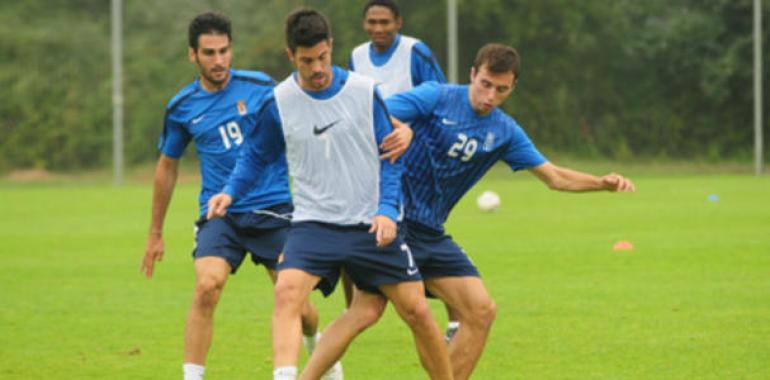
291	292
476	312
217	254
453	323
309	316
408	298
311	336
365	310
211	273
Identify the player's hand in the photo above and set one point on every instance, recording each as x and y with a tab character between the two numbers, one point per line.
385	228
616	182
396	143
218	205
152	252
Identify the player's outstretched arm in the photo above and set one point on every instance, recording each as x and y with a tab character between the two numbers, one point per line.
397	142
385	228
218	204
564	179
166	172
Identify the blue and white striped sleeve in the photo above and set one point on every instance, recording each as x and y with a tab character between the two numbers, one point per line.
410	106
522	153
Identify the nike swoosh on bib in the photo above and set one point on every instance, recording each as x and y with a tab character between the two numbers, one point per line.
317	131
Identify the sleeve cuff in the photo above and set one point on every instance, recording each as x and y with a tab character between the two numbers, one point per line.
229	190
389	211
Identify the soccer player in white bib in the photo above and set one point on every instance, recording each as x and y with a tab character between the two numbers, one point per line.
329	125
395	61
214	112
459	133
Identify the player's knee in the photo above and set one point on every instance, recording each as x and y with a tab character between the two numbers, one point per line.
366	317
483	314
287	295
207	291
417	313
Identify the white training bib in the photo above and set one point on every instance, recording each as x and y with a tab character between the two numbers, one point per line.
395	75
332	151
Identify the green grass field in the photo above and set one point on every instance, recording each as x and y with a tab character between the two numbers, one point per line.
691	301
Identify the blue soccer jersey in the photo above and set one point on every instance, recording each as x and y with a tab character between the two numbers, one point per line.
218	123
453	148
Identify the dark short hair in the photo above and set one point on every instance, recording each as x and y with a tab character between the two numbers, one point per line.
390	4
208	23
306	27
498	58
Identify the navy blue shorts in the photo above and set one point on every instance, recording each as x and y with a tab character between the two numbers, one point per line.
436	254
323	249
261	233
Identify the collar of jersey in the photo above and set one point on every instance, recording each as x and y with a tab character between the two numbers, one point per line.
379	59
207	92
339	77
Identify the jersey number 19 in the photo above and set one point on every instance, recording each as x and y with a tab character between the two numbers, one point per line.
230	131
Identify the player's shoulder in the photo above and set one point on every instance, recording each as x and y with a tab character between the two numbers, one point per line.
503	120
358	77
182	96
251	77
362	47
447	92
420	48
503	117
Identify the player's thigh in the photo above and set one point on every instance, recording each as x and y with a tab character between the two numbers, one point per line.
211	271
406	296
368	303
464	294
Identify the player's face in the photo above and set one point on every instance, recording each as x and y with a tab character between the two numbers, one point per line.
213	59
314	65
488	90
381	26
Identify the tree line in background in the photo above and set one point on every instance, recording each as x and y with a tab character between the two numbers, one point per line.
620	79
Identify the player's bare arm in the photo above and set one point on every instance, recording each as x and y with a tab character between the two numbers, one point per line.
218	205
564	179
166	172
396	143
385	228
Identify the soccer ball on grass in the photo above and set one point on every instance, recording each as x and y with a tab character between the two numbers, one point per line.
488	201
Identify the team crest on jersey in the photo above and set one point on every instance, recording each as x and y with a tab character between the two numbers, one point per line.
242	108
489	141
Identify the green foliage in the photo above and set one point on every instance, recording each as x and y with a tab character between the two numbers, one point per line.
618	79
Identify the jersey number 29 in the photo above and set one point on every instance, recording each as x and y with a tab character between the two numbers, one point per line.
463	146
